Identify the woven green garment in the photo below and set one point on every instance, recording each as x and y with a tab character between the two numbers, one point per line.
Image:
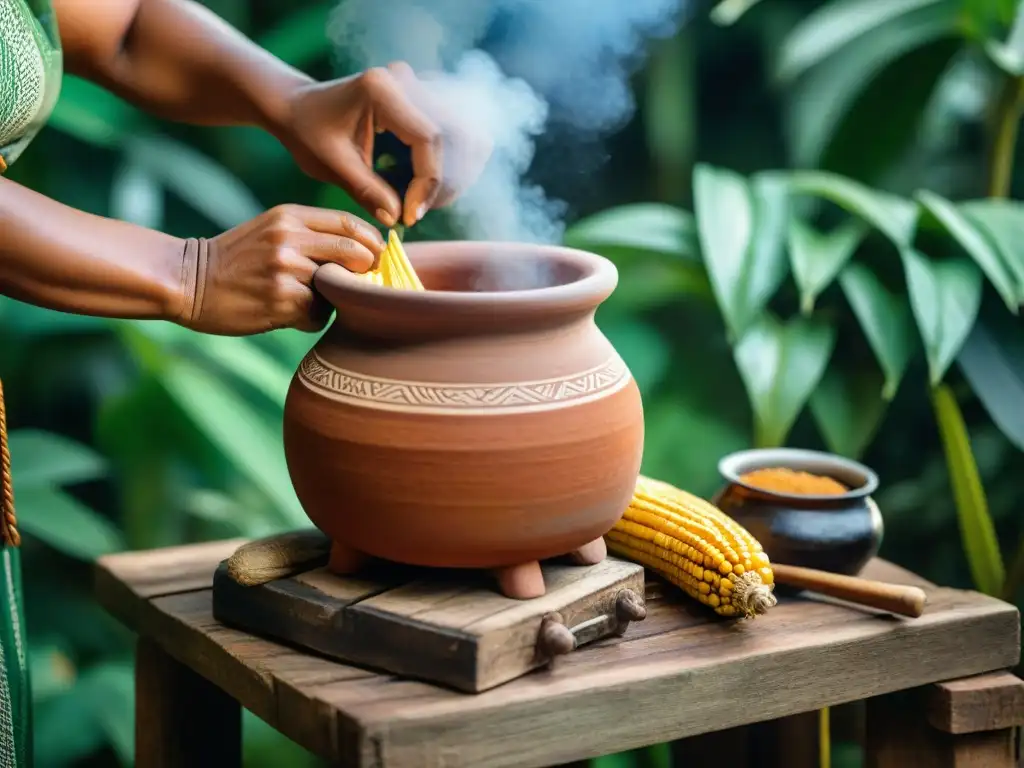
31	64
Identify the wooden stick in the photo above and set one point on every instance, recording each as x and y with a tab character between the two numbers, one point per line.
894	598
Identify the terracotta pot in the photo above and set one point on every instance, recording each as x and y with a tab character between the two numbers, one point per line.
483	423
838	533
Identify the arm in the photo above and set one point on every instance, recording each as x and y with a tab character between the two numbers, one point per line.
178	60
250	279
56	257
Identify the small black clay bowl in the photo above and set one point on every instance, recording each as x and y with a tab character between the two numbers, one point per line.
838	533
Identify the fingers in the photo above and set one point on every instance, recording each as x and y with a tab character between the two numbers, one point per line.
389	90
340	223
366	187
313	311
321	248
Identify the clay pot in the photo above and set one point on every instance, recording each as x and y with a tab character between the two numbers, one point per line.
483	423
839	533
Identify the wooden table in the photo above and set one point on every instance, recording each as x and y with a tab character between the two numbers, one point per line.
680	673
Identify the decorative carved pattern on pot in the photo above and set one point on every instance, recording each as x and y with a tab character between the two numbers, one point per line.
430	397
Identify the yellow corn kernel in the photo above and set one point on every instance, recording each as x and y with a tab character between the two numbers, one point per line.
394	270
695	546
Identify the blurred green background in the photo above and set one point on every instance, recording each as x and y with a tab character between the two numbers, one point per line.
808	215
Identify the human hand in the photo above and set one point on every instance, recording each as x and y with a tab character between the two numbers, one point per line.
258	276
331	129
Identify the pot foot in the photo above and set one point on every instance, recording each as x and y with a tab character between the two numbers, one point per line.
521	582
590	553
344	560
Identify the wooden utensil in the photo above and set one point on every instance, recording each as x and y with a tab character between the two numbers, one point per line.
894	598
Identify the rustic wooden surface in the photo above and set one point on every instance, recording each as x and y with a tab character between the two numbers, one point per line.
452	629
981	703
181	719
679	673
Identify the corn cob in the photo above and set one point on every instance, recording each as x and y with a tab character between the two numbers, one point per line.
695	546
394	269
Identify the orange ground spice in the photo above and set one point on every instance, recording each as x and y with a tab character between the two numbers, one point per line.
783	480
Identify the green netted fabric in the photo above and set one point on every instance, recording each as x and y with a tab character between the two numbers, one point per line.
30	72
31	63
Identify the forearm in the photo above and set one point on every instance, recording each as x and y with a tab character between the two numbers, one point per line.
56	257
178	60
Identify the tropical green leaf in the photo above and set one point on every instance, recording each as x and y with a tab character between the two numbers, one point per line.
236	430
44	459
893	216
816	257
830	27
886	320
1009	55
848	408
65	524
828	95
728	12
781	366
652	229
644	349
1003	222
945	297
248	363
111	687
741	228
994	367
976	528
137	197
975	243
92	114
195	178
300	38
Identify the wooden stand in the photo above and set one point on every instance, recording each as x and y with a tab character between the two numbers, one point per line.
443	627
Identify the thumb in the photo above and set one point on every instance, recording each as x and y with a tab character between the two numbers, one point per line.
368	189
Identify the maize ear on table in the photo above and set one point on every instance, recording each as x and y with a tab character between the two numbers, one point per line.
695	546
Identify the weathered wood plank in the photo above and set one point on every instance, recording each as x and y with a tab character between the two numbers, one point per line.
981	703
460	633
181	720
679	673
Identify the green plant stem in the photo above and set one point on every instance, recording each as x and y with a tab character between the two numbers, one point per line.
1015	576
1004	143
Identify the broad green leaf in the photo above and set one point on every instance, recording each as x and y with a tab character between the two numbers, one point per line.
654	229
976	529
1009	55
246	361
741	228
236	430
823	100
137	197
975	243
848	408
197	179
300	38
644	349
781	366
816	257
1002	221
111	688
835	24
893	216
65	524
886	320
728	12
93	114
994	367
616	760
44	459
945	297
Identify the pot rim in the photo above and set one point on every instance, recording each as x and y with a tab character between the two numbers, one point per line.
861	479
598	279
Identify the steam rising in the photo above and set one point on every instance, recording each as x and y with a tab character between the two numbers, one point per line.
512	67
